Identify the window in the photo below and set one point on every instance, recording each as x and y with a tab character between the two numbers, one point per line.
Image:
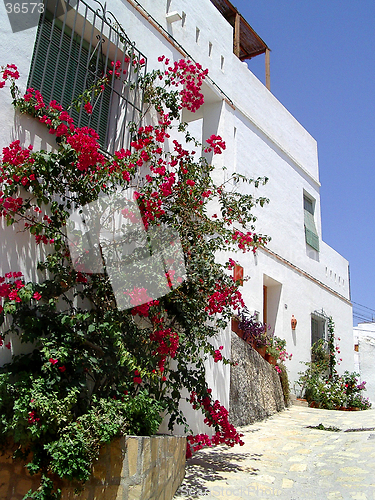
318	327
311	233
74	48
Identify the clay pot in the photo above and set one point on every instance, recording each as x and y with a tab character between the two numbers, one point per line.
271	359
261	350
235	327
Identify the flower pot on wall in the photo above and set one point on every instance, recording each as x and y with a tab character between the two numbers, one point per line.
314	404
271	359
235	327
261	350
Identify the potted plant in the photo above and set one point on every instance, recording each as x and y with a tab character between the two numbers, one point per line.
253	331
276	350
321	384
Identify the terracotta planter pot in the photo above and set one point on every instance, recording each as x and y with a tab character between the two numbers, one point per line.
261	350
235	327
271	359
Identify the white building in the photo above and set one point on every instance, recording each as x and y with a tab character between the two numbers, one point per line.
364	355
298	274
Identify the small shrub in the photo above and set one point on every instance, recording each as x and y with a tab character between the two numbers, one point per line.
321	383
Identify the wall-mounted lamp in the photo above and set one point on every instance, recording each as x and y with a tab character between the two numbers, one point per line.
293	322
172	17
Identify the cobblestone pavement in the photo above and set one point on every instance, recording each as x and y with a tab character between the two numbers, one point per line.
284	458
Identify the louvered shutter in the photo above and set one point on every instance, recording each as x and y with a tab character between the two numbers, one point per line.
60	71
311	233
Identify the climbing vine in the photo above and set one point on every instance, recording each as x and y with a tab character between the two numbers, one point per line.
97	370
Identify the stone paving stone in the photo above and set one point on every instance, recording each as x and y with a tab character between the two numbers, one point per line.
283	458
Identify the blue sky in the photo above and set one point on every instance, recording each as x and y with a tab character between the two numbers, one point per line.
323	72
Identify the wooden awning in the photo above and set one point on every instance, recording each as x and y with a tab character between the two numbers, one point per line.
247	43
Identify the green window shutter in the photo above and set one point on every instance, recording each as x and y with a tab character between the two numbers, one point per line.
70	64
311	233
314	331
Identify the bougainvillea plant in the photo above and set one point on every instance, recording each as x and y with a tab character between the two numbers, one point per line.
321	383
97	371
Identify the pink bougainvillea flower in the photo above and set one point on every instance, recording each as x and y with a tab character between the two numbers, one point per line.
62	368
88	108
218	356
53	361
37	296
137	379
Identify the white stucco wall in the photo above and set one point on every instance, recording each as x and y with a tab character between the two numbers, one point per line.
263	139
364	336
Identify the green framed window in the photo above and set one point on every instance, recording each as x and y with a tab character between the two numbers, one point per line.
311	234
76	45
63	67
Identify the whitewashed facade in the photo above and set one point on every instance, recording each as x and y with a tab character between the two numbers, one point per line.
364	355
263	139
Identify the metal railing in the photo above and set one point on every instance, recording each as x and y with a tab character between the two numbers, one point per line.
77	45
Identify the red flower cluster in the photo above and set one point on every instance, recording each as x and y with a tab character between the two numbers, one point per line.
10	71
15	155
197	442
216	416
245	240
167	344
117	68
11	289
137	379
85	143
36	96
222	297
191	76
231	264
9	205
138	64
218	356
216	144
141	301
39	238
32	418
88	108
150	208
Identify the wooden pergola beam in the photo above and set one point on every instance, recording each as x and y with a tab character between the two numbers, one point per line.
268	72
237	35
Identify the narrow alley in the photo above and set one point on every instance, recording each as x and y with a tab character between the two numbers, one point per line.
287	457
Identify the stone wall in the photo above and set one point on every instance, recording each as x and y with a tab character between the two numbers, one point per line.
255	388
130	468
